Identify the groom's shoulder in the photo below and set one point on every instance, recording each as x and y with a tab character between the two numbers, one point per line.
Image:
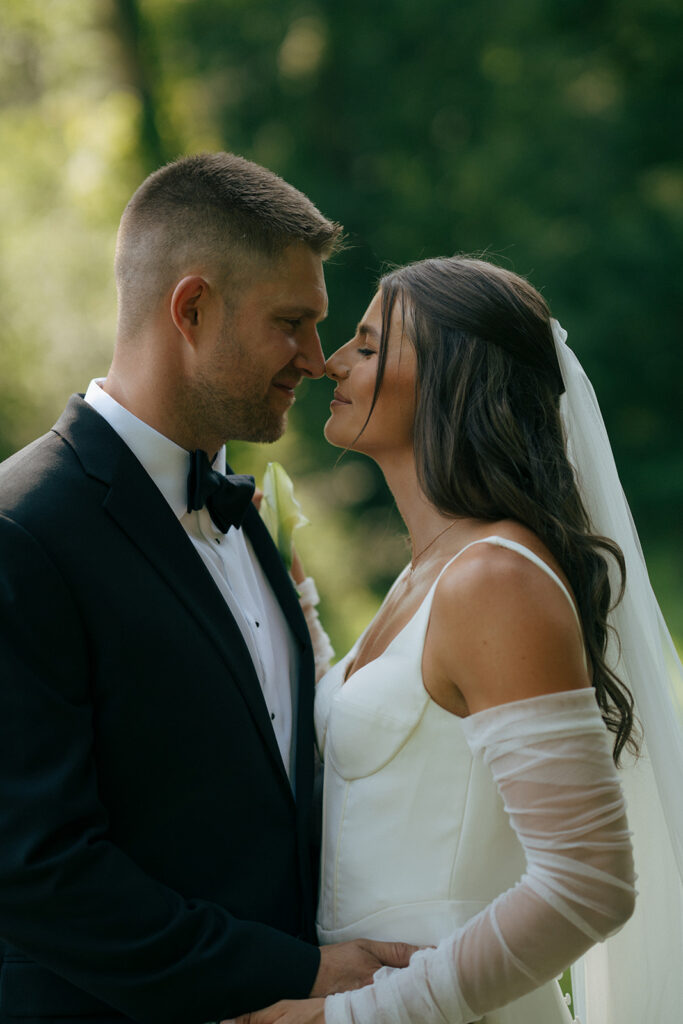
31	467
45	473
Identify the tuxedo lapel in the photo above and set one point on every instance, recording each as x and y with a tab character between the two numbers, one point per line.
278	577
137	506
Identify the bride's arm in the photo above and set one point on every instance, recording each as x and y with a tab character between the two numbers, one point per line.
551	760
506	637
323	651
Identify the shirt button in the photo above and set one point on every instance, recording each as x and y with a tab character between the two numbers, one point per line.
272	715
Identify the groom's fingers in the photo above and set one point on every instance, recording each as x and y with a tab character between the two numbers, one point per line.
391	954
256	500
349	965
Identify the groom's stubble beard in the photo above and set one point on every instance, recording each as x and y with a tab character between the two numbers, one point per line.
242	413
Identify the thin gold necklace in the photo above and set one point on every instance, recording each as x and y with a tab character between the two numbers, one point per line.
417	557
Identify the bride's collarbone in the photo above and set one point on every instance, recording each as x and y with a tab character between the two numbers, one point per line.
398	609
395	613
390	621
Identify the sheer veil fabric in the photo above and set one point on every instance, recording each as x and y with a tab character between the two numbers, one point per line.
635	977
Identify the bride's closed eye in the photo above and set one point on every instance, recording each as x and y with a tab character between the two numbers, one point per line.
366	351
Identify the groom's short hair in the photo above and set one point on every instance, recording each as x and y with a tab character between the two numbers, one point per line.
215	213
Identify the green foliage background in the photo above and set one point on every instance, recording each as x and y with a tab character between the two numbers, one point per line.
544	132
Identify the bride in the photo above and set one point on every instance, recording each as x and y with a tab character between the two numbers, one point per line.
471	738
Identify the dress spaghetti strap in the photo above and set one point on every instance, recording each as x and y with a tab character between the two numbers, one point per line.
512	545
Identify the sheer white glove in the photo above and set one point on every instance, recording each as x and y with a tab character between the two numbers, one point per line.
551	759
323	651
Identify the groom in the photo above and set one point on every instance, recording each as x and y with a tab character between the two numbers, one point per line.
156	675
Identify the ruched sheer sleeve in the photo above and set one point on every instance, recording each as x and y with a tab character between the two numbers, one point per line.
550	757
323	651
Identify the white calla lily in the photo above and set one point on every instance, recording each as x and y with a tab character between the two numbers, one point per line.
280	510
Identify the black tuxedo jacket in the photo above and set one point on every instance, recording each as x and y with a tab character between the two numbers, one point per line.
154	863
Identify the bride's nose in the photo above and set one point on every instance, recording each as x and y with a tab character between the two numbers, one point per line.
335	367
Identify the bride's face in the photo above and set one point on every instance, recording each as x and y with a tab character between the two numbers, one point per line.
354	369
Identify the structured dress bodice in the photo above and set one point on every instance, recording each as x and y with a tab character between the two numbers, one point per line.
415	837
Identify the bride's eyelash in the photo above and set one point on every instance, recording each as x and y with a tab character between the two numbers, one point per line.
366	351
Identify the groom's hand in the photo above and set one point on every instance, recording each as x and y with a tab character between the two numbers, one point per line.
348	965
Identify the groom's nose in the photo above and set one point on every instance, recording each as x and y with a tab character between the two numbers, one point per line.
309	359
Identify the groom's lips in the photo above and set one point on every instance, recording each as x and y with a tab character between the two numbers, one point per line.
286	386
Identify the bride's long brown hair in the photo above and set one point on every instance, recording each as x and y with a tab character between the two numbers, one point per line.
488	436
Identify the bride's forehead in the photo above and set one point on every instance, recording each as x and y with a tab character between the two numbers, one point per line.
400	313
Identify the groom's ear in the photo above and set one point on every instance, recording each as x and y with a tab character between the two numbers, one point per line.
189	306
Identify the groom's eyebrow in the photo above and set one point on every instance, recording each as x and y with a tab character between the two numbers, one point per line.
306	312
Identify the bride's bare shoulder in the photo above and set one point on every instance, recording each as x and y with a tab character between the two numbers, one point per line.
510	529
501	629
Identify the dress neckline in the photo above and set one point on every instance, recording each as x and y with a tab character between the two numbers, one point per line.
505	542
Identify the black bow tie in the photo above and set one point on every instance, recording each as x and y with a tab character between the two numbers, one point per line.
226	497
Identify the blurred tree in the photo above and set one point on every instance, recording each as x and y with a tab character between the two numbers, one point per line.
139	61
69	130
541	133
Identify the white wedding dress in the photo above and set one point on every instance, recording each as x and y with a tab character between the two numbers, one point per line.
416	840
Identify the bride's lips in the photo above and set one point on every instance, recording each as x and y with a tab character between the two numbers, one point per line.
338	399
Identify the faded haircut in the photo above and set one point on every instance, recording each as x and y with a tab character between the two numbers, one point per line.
212	213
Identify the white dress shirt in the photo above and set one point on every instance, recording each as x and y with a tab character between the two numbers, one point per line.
230	559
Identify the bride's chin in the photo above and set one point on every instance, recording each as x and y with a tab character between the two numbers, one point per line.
331	435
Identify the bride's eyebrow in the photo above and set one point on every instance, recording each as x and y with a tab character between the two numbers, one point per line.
365	330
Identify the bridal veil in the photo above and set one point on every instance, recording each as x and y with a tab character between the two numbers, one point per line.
635	977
